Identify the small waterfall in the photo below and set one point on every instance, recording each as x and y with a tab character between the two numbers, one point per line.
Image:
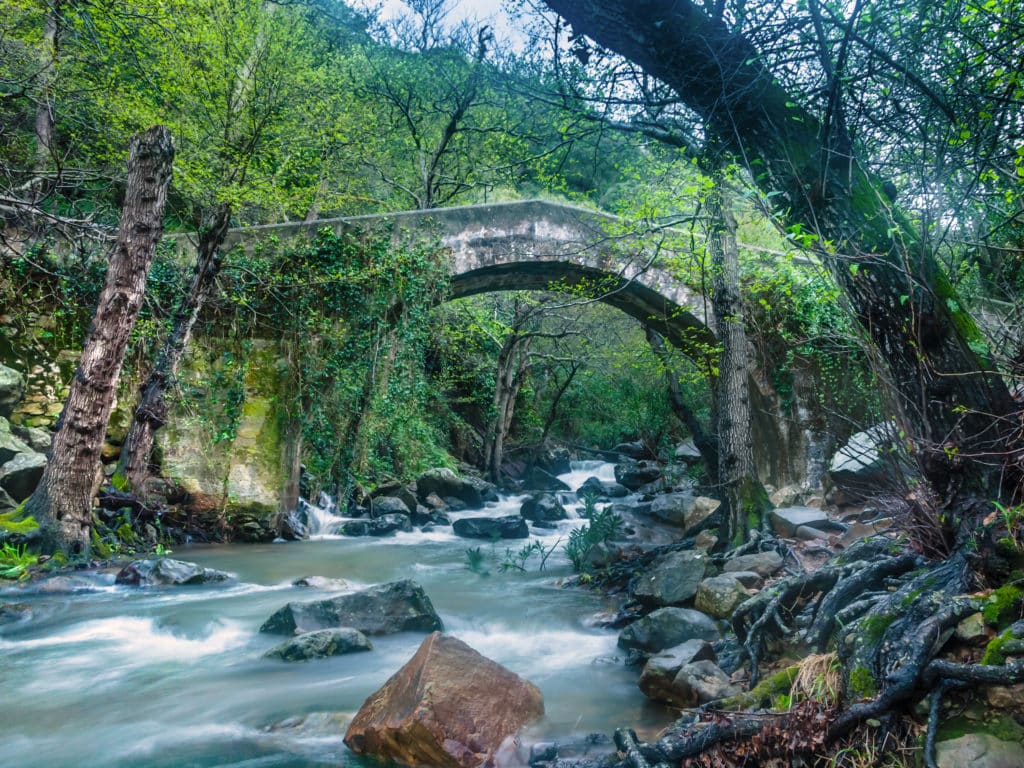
581	470
321	519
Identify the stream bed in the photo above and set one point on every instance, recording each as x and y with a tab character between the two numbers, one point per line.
175	677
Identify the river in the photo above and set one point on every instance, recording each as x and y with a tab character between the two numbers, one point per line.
175	677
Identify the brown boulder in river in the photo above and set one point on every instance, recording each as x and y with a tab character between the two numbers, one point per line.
448	707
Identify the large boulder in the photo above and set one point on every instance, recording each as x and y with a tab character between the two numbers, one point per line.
377	526
543	507
320	644
448	707
510	527
719	596
661	669
786	520
868	464
400	606
472	492
11	444
634	475
667	627
979	750
672	579
165	571
12	389
20	476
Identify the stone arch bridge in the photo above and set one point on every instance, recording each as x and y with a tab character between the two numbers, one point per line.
535	245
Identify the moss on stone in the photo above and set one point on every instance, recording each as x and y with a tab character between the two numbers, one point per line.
17	522
875	626
862	684
771	689
994	650
1002	605
1001	726
100	548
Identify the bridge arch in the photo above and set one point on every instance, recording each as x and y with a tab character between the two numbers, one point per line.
535	245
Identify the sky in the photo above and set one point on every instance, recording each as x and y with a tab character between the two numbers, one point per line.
485	11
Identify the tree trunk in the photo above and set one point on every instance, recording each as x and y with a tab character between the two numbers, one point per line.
513	362
954	402
744	496
62	503
151	412
44	102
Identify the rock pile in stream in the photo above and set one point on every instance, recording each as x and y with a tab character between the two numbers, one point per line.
399	606
164	571
448	707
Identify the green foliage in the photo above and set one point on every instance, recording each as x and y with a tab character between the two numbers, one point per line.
15	561
476	561
518	561
604	526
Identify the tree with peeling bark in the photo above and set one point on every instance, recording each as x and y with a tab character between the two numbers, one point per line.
881	610
62	502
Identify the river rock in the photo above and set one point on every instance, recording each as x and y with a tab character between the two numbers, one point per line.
600	555
697	515
400	606
321	582
510	527
672	579
538	479
320	644
688	452
634	450
10	443
395	490
472	492
12	613
294	526
39	440
448	707
979	750
390	505
672	508
165	571
12	389
700	682
762	563
661	669
377	526
719	596
634	475
543	507
594	486
667	627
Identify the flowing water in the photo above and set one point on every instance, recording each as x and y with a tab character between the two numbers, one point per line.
120	676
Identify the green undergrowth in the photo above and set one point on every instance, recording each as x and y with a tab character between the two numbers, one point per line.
773	689
15	561
16	522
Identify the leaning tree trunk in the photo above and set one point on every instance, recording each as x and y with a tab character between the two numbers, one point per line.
704	441
62	502
513	362
151	412
954	400
745	498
